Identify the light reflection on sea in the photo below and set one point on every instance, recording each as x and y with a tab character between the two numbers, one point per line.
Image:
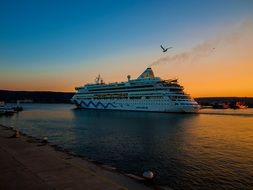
210	150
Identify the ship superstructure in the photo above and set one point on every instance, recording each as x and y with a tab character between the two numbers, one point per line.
146	93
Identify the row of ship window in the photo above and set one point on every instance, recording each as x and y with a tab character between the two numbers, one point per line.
179	91
123	86
138	100
173	98
133	99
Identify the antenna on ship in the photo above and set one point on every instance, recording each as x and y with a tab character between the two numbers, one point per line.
99	80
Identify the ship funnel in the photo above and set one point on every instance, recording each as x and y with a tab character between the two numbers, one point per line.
148	73
128	77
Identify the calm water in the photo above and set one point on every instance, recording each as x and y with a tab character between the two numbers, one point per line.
210	150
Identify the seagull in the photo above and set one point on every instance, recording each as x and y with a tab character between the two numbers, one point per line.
164	50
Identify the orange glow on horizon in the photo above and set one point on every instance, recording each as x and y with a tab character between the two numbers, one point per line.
232	78
225	71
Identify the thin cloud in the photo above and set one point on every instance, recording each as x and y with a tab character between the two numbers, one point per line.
206	48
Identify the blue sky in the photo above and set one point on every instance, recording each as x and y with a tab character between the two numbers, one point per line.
61	34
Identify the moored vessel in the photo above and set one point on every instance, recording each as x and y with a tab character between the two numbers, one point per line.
4	110
146	93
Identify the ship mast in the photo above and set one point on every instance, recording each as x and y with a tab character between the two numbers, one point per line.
99	80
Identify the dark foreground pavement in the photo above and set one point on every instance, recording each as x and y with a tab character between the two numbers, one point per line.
28	164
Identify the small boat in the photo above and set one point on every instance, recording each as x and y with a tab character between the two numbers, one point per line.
9	111
4	110
18	107
221	106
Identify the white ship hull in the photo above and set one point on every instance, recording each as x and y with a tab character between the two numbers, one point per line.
140	105
146	93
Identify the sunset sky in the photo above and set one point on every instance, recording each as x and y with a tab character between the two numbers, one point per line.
51	45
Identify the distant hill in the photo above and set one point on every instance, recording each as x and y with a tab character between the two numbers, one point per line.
64	97
36	96
207	101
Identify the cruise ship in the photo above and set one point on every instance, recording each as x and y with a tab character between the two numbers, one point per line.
146	93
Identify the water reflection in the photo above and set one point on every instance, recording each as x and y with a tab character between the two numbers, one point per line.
213	149
218	151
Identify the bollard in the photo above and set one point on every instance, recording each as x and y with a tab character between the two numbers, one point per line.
45	140
16	134
148	175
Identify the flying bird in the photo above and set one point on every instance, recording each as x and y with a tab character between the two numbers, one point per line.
165	49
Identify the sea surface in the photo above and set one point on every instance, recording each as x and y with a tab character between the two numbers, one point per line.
209	150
